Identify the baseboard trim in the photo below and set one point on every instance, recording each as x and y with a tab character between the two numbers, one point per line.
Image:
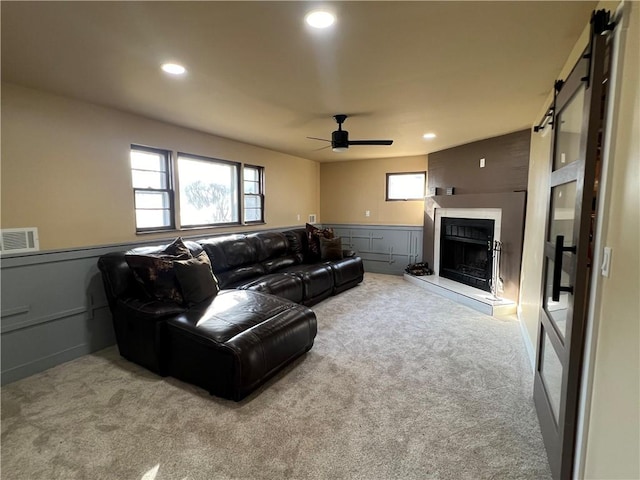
531	353
43	363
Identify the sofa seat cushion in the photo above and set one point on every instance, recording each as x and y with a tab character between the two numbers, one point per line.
237	276
275	264
238	340
317	280
285	285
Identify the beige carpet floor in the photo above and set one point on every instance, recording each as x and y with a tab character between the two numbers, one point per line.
400	383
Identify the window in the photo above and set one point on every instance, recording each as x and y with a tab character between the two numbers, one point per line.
253	194
153	195
209	193
406	186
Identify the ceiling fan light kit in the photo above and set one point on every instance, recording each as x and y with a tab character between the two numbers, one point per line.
340	138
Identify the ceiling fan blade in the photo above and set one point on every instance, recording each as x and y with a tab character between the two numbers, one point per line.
370	142
321	139
321	148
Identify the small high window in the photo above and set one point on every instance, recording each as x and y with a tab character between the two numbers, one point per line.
152	189
253	194
406	186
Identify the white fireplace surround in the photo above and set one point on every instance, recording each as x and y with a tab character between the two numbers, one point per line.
494	214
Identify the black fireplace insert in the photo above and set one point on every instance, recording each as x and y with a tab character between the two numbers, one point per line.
466	251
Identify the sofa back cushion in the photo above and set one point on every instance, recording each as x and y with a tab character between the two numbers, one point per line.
269	244
229	252
234	258
298	243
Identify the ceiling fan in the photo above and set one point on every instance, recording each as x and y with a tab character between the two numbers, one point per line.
340	138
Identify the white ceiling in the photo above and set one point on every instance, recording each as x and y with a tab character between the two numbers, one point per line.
257	74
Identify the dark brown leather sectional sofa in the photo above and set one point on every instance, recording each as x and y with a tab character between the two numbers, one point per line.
257	323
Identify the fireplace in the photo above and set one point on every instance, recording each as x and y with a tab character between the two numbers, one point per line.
507	212
466	246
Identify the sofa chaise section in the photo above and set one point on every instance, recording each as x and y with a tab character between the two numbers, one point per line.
236	342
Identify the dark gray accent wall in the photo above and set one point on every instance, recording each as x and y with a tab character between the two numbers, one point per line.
383	248
54	308
506	165
502	183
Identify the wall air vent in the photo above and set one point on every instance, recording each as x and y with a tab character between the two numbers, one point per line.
19	240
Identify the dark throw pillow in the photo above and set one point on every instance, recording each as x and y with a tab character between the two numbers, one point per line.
330	248
314	234
177	249
155	272
196	279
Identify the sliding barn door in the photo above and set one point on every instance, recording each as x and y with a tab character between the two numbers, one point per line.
577	132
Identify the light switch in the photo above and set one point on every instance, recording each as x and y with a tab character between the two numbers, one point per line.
367	213
482	163
606	261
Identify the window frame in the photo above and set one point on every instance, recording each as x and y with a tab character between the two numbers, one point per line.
168	173
259	195
238	195
408	199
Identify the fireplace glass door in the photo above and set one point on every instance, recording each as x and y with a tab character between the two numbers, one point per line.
466	251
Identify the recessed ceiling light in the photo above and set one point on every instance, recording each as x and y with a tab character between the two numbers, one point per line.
429	136
319	19
173	68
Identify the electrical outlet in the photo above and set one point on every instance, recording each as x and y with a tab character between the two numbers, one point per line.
298	217
367	213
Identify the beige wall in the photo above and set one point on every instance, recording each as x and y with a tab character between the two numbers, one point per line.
533	247
613	445
349	189
537	191
613	424
66	170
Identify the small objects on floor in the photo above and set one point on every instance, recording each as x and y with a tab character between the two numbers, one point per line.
418	269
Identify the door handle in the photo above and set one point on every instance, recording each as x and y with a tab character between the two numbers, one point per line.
556	288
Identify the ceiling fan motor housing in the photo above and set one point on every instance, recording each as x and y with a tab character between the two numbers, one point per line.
340	139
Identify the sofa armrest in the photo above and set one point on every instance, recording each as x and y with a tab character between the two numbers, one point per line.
141	331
